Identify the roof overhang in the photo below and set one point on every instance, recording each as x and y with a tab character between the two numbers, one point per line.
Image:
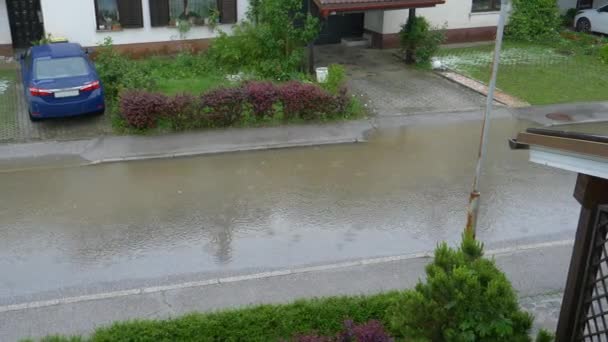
576	152
328	7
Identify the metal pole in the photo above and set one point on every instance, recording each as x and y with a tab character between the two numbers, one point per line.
473	210
311	46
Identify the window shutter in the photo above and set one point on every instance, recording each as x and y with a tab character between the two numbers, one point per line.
130	12
227	11
159	13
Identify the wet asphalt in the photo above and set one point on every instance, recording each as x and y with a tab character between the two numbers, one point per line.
78	230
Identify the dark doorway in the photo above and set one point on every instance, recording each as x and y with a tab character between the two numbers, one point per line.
339	26
584	4
25	21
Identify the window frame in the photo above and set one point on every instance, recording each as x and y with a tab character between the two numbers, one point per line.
123	25
495	7
228	13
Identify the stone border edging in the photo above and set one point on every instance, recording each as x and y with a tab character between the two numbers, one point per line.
478	87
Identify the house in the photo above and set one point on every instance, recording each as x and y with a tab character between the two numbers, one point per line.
564	5
144	26
137	25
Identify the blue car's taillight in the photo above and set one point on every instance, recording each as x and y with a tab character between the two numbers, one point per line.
90	86
40	92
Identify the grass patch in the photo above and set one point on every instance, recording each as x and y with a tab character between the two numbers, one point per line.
540	74
8	103
193	86
262	323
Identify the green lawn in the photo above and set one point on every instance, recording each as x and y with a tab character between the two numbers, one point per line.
8	104
536	73
194	86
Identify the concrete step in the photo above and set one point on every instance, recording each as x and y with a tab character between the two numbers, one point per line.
356	41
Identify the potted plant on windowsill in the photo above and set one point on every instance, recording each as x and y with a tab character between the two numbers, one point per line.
191	17
213	19
116	27
183	26
173	22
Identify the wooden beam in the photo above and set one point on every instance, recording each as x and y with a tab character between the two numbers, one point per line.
591	148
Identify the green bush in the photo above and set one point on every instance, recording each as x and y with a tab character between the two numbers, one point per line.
568	17
271	44
604	54
260	323
336	79
465	298
421	39
118	72
534	20
545	336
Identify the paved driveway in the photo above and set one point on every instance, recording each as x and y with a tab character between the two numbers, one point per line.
394	88
15	125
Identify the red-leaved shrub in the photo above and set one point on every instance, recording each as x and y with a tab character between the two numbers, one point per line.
372	331
226	106
262	96
183	111
142	109
306	101
223	106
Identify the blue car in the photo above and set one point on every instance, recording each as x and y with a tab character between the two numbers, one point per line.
60	80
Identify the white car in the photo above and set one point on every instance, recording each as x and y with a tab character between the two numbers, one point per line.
592	20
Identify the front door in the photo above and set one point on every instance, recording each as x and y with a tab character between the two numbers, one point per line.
25	19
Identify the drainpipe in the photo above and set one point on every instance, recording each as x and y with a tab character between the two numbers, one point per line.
409	52
473	209
311	46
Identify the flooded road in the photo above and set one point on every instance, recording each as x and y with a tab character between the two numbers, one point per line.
116	226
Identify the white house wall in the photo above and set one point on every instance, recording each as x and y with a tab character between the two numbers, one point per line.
5	29
455	14
374	21
75	20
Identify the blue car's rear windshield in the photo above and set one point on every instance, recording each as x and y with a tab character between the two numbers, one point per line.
45	69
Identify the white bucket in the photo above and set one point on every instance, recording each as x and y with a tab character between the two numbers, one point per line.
322	74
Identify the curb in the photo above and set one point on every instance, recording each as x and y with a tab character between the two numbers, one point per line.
227	150
478	87
264	275
112	149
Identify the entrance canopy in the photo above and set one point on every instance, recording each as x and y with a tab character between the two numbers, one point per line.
327	7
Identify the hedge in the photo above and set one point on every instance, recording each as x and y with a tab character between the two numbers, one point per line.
261	323
252	102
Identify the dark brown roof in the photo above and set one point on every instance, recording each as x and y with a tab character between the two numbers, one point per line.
327	7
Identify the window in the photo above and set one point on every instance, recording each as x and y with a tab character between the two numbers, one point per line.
167	12
486	5
118	14
603	9
45	69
